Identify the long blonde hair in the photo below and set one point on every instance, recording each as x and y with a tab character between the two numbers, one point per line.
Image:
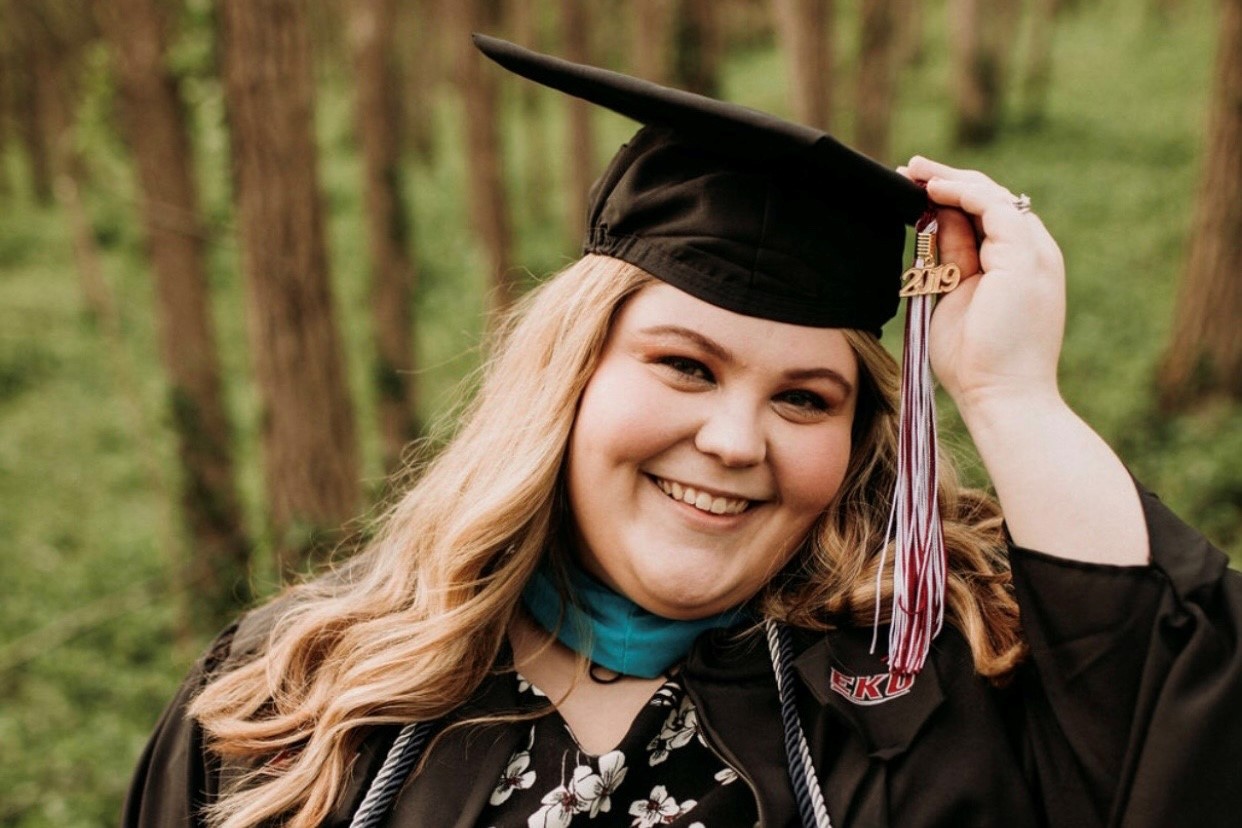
408	629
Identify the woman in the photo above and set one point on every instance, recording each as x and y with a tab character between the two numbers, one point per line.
688	436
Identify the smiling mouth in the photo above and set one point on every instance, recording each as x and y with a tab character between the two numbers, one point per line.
703	501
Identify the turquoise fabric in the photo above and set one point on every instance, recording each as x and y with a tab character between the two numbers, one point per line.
610	629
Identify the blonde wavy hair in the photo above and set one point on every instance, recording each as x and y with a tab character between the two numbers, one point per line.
408	629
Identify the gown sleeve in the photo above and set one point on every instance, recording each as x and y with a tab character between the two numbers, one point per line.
1134	697
175	776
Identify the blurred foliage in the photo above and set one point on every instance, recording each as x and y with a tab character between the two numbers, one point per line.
87	466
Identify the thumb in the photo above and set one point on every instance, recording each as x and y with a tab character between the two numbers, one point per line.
957	241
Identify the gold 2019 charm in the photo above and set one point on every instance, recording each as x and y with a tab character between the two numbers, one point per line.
928	275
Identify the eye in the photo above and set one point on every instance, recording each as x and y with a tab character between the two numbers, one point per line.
804	401
690	369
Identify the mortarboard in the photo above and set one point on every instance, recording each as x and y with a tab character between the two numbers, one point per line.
739	208
773	219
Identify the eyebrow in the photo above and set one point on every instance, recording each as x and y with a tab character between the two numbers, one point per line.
723	354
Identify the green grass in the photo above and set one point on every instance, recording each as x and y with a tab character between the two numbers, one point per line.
88	529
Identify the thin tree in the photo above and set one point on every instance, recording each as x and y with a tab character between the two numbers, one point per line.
371	26
421	70
697	46
879	51
34	52
1204	355
489	204
911	20
47	41
309	446
536	175
650	34
8	105
580	153
981	39
806	33
216	576
1037	72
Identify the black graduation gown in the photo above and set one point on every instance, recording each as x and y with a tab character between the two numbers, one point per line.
1129	713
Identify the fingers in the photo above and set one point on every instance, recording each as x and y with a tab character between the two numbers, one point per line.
1003	232
957	241
988	202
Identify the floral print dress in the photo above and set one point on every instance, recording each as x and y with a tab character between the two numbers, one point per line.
662	773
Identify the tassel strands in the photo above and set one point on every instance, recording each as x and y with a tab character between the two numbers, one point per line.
919	565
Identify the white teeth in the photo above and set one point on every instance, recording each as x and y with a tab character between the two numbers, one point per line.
702	500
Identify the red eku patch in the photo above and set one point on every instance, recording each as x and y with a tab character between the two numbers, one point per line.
875	689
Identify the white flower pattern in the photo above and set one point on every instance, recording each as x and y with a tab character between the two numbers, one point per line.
515	778
679	728
657	809
681	773
611	774
524	686
562	802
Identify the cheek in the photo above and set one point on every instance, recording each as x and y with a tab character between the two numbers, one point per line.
812	470
615	423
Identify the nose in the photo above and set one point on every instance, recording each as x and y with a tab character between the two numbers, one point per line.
733	434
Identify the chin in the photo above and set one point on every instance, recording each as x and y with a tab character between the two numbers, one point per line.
687	605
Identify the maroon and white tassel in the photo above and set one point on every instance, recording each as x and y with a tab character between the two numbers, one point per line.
914	523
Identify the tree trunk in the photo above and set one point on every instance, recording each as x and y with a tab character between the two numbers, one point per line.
217	583
54	88
48	51
696	46
911	20
309	448
650	33
371	27
32	113
979	46
806	34
489	206
1038	70
1204	356
8	108
575	29
536	178
422	70
877	77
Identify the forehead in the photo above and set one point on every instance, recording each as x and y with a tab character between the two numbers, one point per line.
661	311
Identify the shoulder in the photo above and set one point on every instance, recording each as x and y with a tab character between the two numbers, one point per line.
251	634
248	636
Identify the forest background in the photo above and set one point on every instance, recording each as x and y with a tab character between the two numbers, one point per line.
132	523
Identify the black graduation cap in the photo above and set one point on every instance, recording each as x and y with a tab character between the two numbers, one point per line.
742	209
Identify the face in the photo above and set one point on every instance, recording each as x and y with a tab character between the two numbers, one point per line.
706	445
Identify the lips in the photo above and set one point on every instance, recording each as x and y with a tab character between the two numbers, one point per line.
701	500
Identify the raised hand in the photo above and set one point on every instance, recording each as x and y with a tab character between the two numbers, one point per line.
999	333
995	341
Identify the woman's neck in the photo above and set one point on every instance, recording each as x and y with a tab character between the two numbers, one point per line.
598	715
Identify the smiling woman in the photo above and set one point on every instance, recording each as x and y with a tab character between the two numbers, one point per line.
691	511
646	582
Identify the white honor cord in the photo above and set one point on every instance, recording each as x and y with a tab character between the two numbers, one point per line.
400	760
801	769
